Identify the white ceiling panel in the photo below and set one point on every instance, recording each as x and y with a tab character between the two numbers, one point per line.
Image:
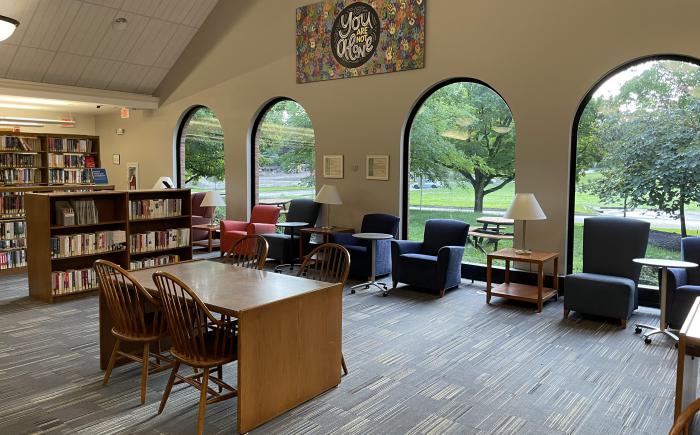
98	73
75	42
30	64
65	69
51	21
94	22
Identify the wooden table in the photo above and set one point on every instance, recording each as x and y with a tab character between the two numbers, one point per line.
688	352
491	235
211	242
523	292
306	233
289	343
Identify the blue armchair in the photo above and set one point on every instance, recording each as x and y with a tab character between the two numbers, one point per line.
608	285
360	253
683	285
436	262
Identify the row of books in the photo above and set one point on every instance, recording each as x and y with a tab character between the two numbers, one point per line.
77	212
19	176
19	143
153	262
13	230
13	259
87	243
62	144
6	245
70	161
11	204
156	240
155	208
19	160
73	280
70	176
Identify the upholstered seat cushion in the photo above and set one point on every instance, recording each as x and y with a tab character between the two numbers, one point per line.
683	298
356	249
603	295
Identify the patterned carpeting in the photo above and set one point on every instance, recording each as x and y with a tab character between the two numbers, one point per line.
418	365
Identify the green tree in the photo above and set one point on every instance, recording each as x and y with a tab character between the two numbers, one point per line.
464	132
204	147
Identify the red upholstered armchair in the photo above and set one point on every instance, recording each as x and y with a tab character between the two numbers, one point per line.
262	220
200	216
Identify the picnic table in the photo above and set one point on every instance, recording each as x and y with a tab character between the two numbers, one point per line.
490	232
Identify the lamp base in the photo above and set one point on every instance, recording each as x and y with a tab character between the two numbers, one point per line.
523	252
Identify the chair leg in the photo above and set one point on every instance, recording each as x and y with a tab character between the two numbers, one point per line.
342	363
566	313
202	402
169	386
144	372
220	376
110	364
442	292
623	323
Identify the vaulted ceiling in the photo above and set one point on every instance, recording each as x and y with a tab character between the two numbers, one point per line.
73	42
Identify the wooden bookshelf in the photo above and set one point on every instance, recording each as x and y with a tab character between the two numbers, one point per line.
113	208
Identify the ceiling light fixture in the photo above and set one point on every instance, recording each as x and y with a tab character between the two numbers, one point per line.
32	100
119	24
21	123
36	120
7	27
20	106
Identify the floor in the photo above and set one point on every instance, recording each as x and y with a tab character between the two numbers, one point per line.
418	365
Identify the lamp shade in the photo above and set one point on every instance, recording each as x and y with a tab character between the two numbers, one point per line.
525	208
328	195
213	199
7	27
161	183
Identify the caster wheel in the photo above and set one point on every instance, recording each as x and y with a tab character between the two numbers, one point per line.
366	287
637	330
352	292
385	294
647	341
675	345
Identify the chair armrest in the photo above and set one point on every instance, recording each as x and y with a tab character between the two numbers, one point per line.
450	260
345	239
256	228
233	226
400	247
676	278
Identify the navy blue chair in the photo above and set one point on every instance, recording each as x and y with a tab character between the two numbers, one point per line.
683	285
436	262
281	247
607	287
360	250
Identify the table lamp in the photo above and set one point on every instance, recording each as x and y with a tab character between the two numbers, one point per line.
163	183
328	195
212	199
525	208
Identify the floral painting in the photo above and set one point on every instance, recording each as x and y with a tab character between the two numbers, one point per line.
350	38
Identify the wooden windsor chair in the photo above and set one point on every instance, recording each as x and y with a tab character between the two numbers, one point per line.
329	262
682	423
200	340
126	301
250	252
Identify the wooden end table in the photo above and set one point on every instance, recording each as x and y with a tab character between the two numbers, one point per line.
306	233
211	242
523	292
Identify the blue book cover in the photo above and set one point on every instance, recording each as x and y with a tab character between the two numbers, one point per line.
99	176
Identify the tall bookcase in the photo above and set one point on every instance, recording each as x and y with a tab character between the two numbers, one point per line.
115	214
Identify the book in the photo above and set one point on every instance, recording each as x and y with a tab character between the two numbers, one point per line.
99	176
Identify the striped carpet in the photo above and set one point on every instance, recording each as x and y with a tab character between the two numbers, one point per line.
418	365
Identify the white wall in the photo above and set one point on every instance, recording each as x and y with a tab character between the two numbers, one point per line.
84	124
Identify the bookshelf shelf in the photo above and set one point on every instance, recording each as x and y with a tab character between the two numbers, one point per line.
112	209
164	218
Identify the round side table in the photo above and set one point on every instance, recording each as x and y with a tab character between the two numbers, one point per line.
663	265
372	237
291	226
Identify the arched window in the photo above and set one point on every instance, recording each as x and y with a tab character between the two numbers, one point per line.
284	154
459	151
200	156
636	154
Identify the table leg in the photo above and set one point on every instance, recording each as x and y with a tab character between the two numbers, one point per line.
680	367
373	277
540	285
662	321
662	295
506	273
555	278
489	261
209	239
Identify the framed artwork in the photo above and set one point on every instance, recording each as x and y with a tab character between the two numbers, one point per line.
337	39
377	167
333	166
132	175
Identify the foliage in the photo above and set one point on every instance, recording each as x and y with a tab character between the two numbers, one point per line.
204	147
464	132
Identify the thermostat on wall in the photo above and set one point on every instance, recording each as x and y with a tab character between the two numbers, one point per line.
120	131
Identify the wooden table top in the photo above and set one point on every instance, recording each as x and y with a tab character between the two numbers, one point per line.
534	257
495	220
212	228
319	230
230	289
691	326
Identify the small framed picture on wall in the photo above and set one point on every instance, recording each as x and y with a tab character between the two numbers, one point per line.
132	175
333	166
377	167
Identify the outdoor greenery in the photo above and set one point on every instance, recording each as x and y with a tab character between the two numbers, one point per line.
204	147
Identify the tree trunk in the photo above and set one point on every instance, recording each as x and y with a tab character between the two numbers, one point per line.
624	207
684	232
479	195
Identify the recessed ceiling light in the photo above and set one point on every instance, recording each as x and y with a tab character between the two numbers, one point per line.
7	27
119	24
32	100
21	106
39	120
21	123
